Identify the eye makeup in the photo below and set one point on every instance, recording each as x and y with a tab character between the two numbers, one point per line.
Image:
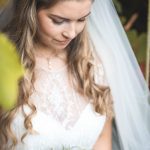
56	19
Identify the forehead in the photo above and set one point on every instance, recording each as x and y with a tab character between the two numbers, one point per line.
71	9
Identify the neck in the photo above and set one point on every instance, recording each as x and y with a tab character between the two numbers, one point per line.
51	54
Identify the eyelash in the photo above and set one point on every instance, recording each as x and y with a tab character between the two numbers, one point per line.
82	20
57	22
62	21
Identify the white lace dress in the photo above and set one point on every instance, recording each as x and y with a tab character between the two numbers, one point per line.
64	119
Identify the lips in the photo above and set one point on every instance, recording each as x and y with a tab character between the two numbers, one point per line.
63	42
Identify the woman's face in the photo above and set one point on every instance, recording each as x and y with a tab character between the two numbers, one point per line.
58	25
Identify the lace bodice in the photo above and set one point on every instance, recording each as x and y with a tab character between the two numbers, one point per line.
64	117
59	99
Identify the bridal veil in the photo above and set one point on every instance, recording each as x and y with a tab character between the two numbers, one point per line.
129	89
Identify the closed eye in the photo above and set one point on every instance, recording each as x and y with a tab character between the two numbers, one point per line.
82	20
58	21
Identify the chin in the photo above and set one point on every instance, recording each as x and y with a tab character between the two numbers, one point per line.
59	47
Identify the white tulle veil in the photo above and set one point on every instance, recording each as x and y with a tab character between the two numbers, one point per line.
131	130
129	90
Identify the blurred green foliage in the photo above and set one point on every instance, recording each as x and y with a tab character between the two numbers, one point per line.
137	40
10	71
138	43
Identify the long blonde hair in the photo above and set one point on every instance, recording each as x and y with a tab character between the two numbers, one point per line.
80	57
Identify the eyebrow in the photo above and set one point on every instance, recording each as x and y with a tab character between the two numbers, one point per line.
53	15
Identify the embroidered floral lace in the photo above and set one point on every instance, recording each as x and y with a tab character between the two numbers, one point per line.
64	118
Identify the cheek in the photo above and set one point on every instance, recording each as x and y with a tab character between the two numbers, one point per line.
80	28
46	27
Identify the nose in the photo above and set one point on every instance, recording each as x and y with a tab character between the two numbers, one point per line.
70	31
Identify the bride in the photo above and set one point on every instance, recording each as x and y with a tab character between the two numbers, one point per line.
82	88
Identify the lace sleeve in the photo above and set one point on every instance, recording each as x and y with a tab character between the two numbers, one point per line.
99	74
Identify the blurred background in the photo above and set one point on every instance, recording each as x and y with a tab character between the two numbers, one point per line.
134	17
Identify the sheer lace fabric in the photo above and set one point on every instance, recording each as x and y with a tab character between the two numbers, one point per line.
64	118
59	99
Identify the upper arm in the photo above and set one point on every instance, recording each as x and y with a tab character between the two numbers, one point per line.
104	141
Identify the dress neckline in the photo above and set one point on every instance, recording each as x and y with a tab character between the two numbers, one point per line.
46	65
